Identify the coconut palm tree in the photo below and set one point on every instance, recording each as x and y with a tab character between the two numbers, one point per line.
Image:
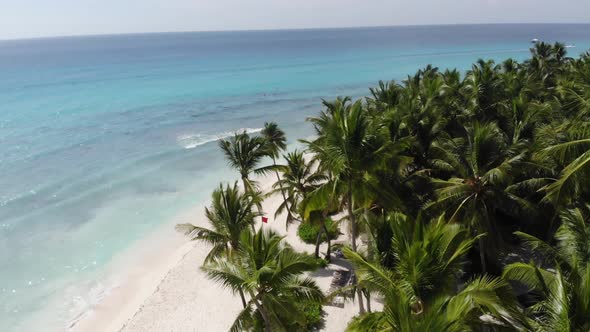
385	96
425	258
231	212
563	284
275	143
547	62
299	179
571	154
482	167
481	88
348	147
244	153
482	301
269	271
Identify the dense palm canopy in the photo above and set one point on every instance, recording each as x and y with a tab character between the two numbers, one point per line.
484	168
482	302
563	282
465	189
500	150
424	300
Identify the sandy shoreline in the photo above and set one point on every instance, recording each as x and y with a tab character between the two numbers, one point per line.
168	292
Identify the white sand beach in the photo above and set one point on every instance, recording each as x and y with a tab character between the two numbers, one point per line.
168	291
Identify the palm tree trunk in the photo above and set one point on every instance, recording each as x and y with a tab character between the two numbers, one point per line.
265	316
352	219
289	216
370	252
328	252
370	237
247	190
245	184
359	294
318	241
242	297
482	255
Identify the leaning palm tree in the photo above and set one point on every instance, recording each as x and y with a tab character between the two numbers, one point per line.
269	271
231	212
275	143
244	153
564	283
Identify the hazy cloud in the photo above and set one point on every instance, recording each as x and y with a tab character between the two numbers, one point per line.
34	18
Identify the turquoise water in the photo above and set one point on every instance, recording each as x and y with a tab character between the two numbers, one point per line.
103	139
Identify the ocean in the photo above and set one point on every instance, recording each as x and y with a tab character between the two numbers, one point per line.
105	138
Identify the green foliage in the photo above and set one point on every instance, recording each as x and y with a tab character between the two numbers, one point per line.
230	213
270	272
564	289
308	232
298	178
244	153
433	171
314	317
443	310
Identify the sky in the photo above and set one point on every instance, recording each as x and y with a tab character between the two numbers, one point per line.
43	18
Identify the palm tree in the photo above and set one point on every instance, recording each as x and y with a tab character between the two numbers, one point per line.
269	271
275	143
483	167
244	153
385	96
547	61
563	284
482	301
347	147
231	212
571	154
425	258
299	178
481	87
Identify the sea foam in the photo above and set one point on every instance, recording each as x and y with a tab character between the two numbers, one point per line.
191	141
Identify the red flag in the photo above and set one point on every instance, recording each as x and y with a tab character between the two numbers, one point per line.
265	220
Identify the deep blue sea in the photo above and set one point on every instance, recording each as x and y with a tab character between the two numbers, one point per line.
105	138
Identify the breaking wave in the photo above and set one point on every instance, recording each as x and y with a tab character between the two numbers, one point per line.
191	141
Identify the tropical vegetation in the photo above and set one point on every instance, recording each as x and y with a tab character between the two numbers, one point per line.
464	198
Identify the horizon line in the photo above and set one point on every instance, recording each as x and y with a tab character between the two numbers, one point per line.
281	29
